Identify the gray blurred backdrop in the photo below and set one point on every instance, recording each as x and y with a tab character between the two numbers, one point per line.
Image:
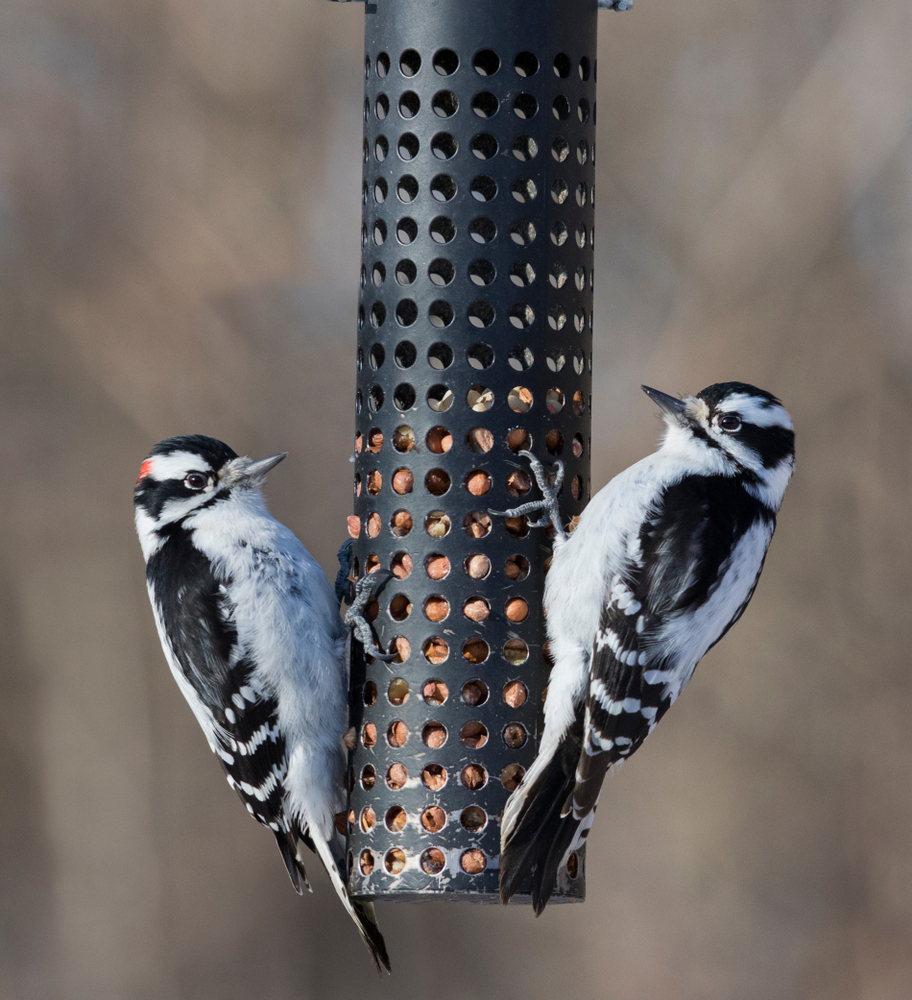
179	251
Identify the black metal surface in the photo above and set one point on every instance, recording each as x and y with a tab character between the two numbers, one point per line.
465	100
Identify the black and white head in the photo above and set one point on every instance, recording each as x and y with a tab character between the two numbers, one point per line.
732	429
184	476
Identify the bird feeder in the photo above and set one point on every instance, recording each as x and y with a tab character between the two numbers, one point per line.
474	343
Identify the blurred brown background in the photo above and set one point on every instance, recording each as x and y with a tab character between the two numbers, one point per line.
179	215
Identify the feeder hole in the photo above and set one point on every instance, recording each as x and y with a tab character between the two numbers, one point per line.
477	566
476	609
515	652
515	693
433	861
436	608
395	861
437	566
473	818
434	692
401	565
511	776
473	862
398	691
397	734
473	777
396	819
433	819
475	692
434	735
434	777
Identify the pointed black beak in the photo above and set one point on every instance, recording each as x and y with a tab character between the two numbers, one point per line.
673	407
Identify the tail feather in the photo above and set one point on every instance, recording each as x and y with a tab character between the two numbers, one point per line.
293	863
536	835
362	913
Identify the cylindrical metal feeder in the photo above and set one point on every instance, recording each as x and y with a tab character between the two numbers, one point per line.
475	334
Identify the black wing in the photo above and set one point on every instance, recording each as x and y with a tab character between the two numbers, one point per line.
240	719
672	570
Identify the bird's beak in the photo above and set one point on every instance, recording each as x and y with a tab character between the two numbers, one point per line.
673	407
256	471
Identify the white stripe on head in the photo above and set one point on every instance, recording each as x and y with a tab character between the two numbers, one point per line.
175	465
756	410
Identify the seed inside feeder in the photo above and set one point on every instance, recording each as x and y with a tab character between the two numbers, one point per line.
434	777
434	692
367	861
401	648
515	693
396	819
368	777
519	483
403	438
516	567
400	608
373	529
518	440
473	818
395	860
401	565
433	861
477	524
573	865
436	650
354	526
400	524
516	609
475	692
397	734
475	650
511	776
396	776
477	566
437	523
473	777
517	527
375	440
473	861
434	735
398	691
373	560
368	819
439	440
478	483
479	440
358	443
437	482
433	819
474	735
403	481
436	608
437	566
476	609
514	735
369	734
370	693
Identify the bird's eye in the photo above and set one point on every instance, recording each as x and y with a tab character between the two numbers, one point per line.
730	423
196	481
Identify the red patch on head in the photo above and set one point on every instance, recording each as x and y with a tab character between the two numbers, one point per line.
144	470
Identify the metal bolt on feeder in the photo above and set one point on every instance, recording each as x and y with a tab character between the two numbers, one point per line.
474	342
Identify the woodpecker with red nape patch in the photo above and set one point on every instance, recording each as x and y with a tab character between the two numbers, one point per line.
251	629
661	565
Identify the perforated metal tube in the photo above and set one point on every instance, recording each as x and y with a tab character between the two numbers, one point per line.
475	333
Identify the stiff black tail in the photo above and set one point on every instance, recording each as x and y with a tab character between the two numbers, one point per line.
535	835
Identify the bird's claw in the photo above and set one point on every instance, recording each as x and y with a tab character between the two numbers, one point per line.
548	505
356	621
